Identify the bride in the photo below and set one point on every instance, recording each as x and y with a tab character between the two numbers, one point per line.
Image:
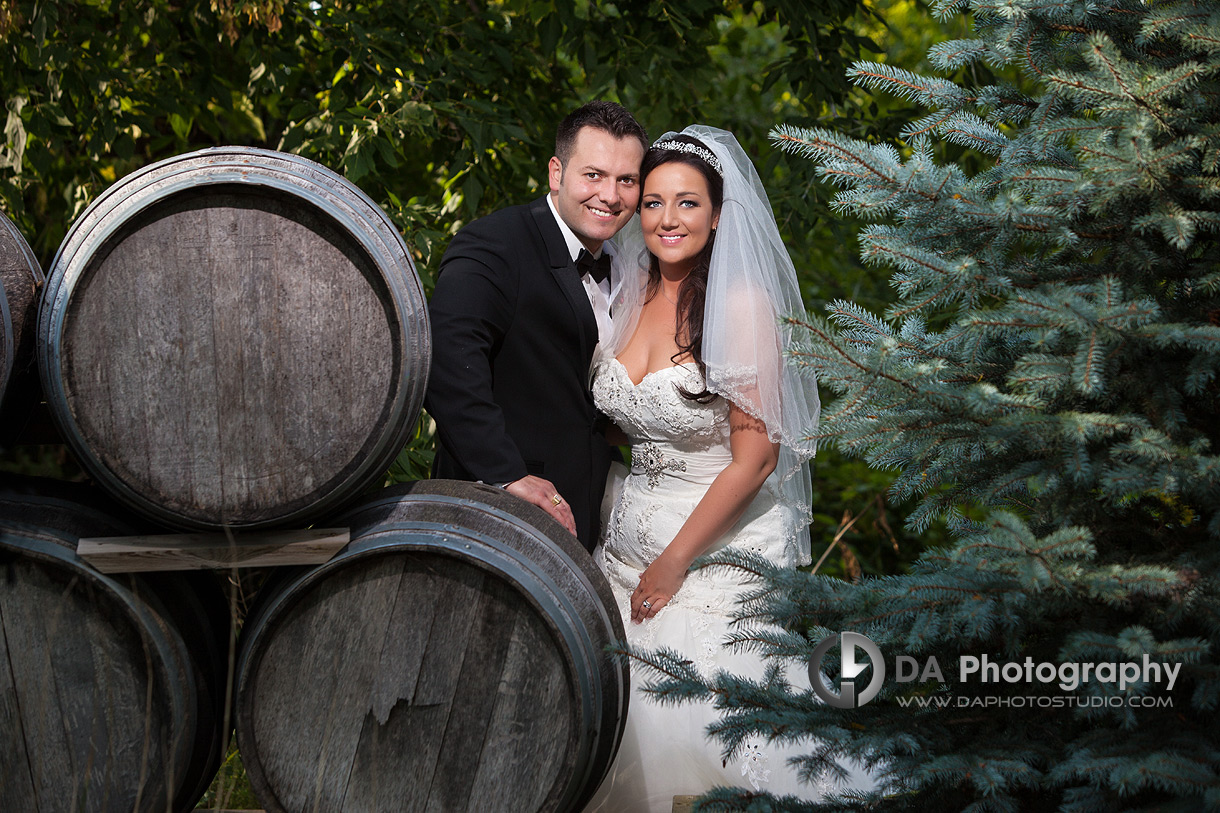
695	377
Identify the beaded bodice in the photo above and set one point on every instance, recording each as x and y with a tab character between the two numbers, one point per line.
670	434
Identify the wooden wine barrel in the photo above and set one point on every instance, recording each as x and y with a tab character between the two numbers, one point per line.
20	280
234	337
111	688
452	658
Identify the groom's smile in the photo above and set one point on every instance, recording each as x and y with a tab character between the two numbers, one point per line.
602	213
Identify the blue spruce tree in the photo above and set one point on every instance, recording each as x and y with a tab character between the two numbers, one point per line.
1046	381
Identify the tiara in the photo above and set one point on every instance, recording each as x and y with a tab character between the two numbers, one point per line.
697	150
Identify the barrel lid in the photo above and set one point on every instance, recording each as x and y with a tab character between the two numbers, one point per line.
441	528
214	346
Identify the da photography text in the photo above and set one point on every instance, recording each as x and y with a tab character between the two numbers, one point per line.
970	669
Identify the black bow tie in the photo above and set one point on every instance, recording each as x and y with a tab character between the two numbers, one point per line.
599	269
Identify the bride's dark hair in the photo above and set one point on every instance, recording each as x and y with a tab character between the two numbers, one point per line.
693	290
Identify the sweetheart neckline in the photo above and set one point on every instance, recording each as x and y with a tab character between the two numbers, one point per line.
637	384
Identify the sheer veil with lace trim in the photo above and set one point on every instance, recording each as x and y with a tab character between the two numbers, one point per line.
751	287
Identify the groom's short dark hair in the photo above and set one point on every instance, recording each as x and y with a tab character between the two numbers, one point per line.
600	115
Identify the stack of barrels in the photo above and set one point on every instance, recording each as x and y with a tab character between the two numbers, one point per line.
233	340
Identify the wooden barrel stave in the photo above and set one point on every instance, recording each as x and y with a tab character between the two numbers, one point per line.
105	702
234	337
78	650
20	281
486	691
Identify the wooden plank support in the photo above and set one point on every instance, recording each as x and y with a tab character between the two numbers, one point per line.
211	551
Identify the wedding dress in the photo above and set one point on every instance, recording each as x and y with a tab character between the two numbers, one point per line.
678	448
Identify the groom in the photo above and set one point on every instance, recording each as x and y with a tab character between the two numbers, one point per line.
520	300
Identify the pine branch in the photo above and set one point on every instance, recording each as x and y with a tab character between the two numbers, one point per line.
816	143
1101	57
915	88
828	341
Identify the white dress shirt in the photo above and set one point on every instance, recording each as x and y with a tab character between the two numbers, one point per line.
599	293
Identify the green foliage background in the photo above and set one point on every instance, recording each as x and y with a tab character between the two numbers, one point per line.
440	110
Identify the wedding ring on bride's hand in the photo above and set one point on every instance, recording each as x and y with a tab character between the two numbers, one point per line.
646	604
556	500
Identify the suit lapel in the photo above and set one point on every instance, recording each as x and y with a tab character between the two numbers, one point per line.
563	270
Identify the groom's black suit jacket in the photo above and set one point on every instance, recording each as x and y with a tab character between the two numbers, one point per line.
513	334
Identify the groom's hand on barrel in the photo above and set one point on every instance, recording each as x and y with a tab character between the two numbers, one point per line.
544	495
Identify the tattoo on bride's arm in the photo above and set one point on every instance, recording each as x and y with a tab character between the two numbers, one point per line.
744	422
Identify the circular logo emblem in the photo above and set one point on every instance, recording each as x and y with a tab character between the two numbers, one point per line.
847	697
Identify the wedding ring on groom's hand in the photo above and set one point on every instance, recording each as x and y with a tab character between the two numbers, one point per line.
556	500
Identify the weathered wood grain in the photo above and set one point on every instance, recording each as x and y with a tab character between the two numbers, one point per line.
311	723
459	662
98	724
22	277
234	338
20	280
142	554
16	776
258	365
106	704
538	690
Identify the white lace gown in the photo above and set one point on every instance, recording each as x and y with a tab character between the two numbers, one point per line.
678	448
